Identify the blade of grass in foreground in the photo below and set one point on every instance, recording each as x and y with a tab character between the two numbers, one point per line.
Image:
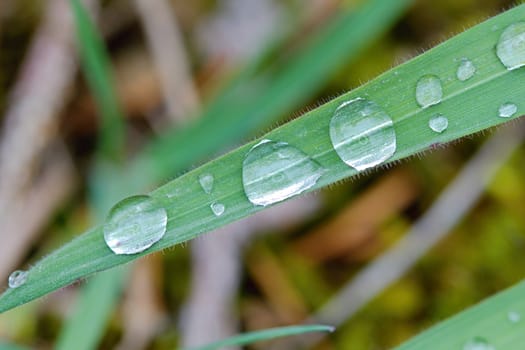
267	334
469	106
496	323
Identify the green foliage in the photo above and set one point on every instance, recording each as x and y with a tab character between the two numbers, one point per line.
267	334
98	73
497	322
470	106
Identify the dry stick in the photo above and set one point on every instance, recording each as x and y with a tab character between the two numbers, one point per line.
32	116
143	309
166	45
32	209
208	314
451	206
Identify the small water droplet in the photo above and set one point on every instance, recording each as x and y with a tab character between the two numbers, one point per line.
217	208
17	278
206	181
514	317
478	343
362	134
429	91
466	69
135	224
511	46
274	171
438	123
507	110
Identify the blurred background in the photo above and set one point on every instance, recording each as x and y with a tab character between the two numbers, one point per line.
188	76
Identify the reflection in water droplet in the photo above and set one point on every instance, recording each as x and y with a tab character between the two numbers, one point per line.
429	91
362	134
17	278
438	123
514	317
206	181
478	343
135	224
217	208
511	46
507	110
466	69
274	171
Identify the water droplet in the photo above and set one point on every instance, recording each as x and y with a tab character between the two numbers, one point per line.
511	46
514	317
17	278
478	343
217	208
438	123
274	171
507	110
362	134
135	224
206	181
429	91
466	69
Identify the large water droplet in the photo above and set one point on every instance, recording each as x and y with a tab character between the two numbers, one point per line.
206	181
217	208
507	110
429	91
514	317
362	134
274	171
478	343
466	69
135	224
511	46
438	123
17	278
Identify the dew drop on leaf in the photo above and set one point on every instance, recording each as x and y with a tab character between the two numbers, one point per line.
274	171
217	208
466	69
362	134
507	110
206	182
478	343
17	278
511	46
438	123
429	91
514	317
135	224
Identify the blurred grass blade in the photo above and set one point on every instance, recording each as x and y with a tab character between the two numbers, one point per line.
96	303
496	323
267	334
470	107
6	346
98	74
249	105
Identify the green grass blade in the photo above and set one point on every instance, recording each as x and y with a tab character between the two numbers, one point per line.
256	103
98	297
85	328
98	74
6	346
496	322
267	334
470	106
